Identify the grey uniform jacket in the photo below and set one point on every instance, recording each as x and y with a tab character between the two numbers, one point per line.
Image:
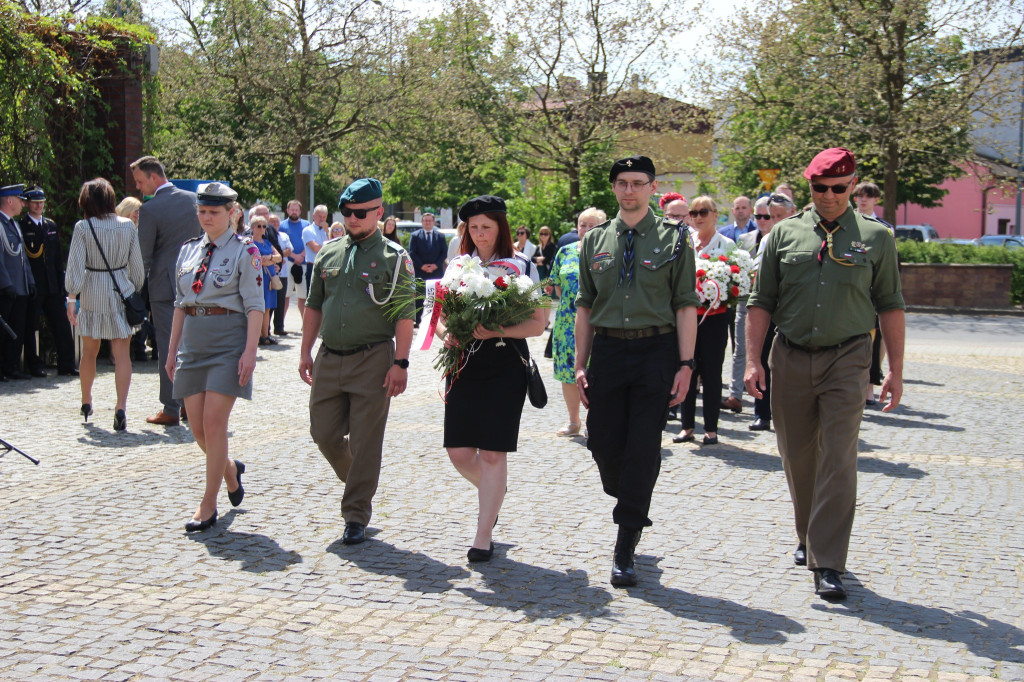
166	222
234	279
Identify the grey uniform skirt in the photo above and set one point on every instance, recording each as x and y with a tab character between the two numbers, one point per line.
208	356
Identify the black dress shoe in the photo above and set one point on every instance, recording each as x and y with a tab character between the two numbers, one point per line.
120	421
354	533
759	425
623	564
67	373
800	555
476	554
828	584
239	493
193	526
38	373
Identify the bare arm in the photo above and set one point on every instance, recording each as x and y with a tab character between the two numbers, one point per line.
584	342
757	328
893	324
686	331
177	323
534	326
247	363
397	378
311	321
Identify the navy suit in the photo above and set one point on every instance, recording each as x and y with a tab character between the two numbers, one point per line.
427	247
16	285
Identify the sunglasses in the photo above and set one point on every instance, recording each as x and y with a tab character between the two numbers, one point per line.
700	212
359	213
824	189
519	234
762	216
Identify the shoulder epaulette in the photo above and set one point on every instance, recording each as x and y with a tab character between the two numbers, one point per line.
193	239
242	238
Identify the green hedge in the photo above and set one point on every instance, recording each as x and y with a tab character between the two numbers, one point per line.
937	252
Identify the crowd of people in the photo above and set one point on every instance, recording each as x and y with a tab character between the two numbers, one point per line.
631	341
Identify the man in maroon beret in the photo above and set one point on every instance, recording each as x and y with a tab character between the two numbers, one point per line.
824	275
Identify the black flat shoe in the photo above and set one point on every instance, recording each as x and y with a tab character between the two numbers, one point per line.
239	493
194	526
86	411
120	421
710	440
800	555
475	554
355	533
759	425
688	438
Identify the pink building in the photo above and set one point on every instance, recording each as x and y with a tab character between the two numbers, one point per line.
982	201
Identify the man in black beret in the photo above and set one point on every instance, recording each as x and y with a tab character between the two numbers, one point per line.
46	258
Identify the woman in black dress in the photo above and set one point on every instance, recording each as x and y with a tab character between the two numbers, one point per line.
479	440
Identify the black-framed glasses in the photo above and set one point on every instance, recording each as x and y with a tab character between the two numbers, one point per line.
635	185
762	216
702	212
359	213
835	189
779	199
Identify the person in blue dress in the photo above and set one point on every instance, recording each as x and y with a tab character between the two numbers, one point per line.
270	257
565	273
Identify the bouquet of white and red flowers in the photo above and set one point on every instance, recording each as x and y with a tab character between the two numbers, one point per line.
724	278
471	293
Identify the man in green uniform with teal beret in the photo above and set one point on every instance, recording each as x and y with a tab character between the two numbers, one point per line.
636	323
824	274
363	359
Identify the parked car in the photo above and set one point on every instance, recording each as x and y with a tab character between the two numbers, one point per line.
919	233
952	240
1010	241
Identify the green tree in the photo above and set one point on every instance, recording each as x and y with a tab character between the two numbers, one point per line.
893	80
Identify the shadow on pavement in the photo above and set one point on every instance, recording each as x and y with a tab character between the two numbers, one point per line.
747	459
922	382
257	553
537	592
99	437
982	635
420	572
884	419
754	626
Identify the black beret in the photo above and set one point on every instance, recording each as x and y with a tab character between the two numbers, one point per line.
485	203
636	164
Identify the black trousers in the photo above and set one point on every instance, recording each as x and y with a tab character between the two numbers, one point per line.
763	405
629	386
709	355
278	313
13	309
53	308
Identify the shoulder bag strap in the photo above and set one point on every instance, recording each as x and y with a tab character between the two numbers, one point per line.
104	256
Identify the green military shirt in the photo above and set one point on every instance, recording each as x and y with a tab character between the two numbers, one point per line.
664	275
343	274
822	304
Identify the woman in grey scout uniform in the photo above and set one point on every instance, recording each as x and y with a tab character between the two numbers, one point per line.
218	312
479	440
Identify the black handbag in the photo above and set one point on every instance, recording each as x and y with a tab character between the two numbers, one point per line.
134	306
535	384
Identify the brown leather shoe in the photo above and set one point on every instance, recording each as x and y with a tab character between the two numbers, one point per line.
161	418
733	404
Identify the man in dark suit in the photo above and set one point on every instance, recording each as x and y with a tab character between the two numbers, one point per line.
165	222
46	257
428	251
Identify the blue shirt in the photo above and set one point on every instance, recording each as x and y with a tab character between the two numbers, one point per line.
294	232
733	232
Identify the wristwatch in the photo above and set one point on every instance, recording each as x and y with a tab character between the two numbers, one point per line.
404	364
687	363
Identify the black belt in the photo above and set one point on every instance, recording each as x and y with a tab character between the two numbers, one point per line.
644	333
351	351
818	349
105	269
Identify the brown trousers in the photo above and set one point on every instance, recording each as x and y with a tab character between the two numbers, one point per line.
817	402
348	410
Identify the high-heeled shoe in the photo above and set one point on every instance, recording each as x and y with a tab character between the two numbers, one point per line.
192	526
476	554
239	493
120	421
86	411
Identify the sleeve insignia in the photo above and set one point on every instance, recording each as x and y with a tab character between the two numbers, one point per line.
257	262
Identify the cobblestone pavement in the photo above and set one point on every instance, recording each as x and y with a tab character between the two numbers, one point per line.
98	579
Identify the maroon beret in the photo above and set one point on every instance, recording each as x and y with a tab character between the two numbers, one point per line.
831	163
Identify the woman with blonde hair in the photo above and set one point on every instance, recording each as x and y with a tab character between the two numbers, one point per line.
129	208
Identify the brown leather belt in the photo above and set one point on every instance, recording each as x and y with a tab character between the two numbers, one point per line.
818	349
203	311
644	333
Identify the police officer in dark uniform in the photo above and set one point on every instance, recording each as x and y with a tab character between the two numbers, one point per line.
46	257
824	275
17	285
636	324
359	366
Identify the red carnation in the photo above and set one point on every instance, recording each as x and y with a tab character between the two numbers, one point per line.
724	259
734	269
705	256
735	291
701	273
501	283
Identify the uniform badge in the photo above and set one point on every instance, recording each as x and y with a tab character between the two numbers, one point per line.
257	262
224	262
602	255
373	264
252	249
657	251
408	267
647	262
259	280
858	247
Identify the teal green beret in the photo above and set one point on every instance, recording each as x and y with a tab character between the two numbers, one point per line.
361	190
